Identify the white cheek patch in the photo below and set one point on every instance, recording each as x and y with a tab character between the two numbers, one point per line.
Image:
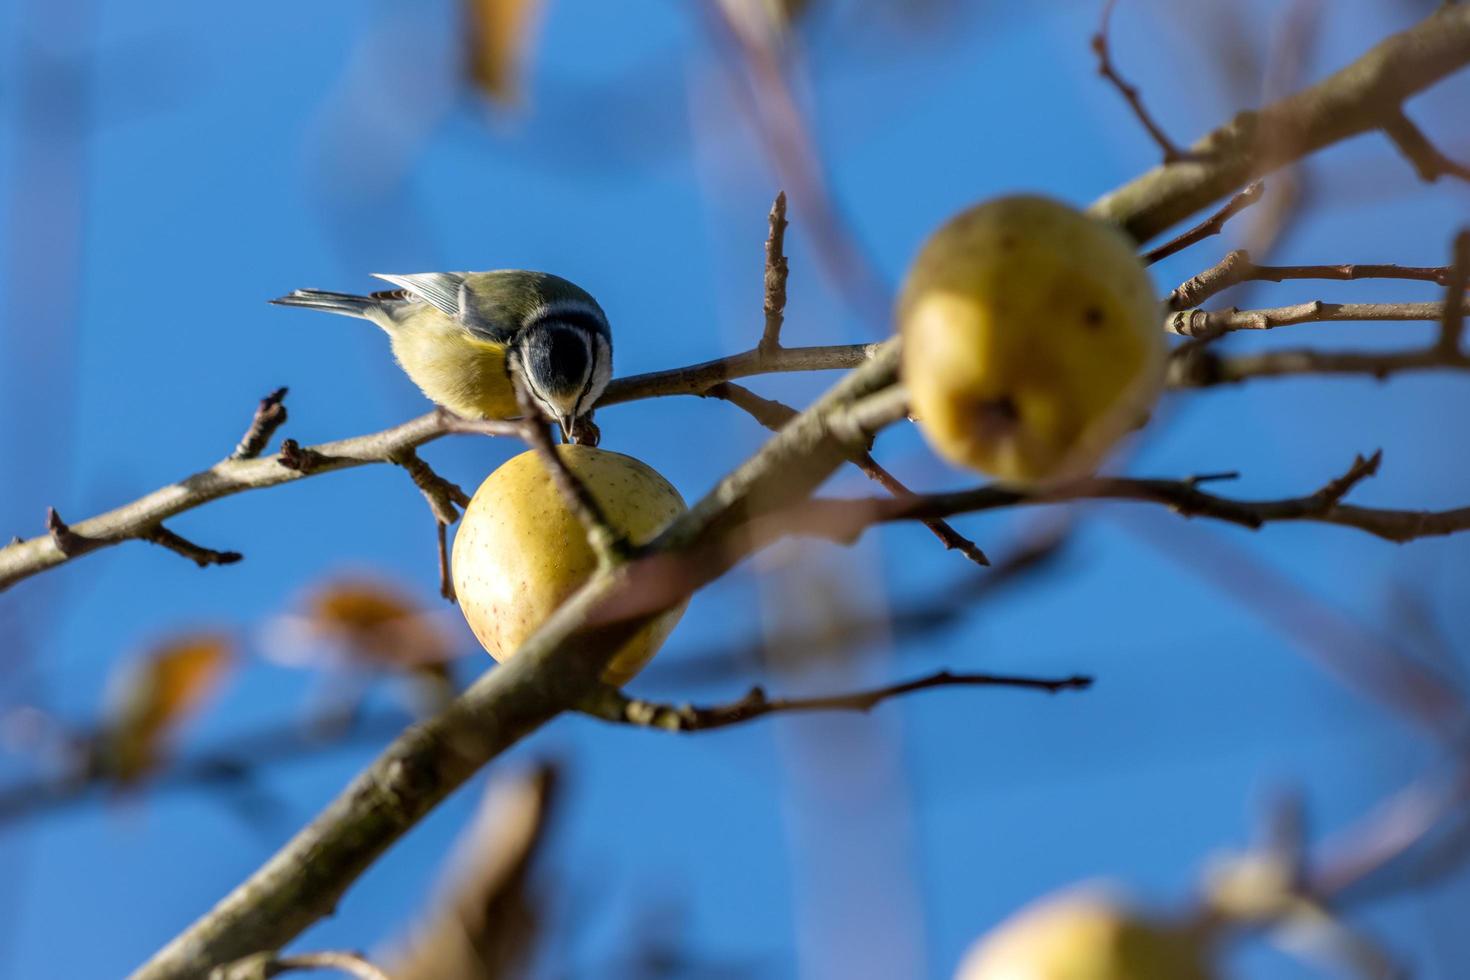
599	371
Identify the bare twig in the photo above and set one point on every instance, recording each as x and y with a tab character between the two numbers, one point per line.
1236	267
443	498
1211	226
302	459
1452	326
263	966
698	378
21	559
270	415
608	543
774	414
1202	369
777	271
66	541
935	611
843	520
1172	153
947	535
609	704
446	577
198	554
1211	323
1355	99
1428	161
441	495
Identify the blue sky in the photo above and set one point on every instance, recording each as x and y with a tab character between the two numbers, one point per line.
234	154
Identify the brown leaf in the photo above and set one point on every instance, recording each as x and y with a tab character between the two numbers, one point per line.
377	624
151	696
485	922
500	34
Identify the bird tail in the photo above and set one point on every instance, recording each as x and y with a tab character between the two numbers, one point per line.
320	299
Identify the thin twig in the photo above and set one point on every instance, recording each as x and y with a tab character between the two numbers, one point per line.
67	541
774	414
697	378
1203	324
1352	100
263	966
302	459
1172	153
1211	226
1428	161
446	578
23	558
270	415
1452	326
441	495
843	520
609	544
198	554
936	610
1236	267
1203	369
777	270
609	704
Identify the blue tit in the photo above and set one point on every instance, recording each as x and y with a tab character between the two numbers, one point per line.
458	334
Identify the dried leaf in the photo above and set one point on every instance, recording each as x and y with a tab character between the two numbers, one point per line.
366	622
500	35
149	697
484	924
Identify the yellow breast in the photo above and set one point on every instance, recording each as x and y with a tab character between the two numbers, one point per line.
453	368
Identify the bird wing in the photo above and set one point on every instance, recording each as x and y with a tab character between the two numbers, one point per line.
439	289
458	295
494	306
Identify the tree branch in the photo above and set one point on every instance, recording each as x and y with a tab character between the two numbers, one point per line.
553	670
270	415
774	304
1236	267
1452	326
773	415
1204	324
263	966
698	378
1100	47
610	704
1428	162
442	495
1356	99
24	558
843	520
1211	226
198	554
1203	369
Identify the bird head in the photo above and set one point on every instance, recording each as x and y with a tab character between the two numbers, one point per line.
566	361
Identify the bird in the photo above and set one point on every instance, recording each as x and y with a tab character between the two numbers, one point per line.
459	335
